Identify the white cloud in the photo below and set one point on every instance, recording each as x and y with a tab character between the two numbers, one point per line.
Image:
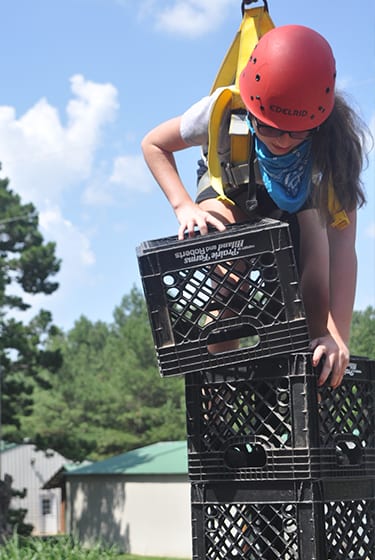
73	246
132	172
98	192
41	156
129	174
77	258
44	158
191	18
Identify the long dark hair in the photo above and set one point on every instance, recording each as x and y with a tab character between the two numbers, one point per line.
339	157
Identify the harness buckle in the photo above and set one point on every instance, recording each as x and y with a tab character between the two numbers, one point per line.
236	175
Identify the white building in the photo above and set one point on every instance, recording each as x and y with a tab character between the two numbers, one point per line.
139	501
30	468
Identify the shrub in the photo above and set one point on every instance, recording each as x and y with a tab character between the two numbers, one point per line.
60	548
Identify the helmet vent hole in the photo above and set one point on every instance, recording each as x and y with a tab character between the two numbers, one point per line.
257	78
254	60
321	109
328	89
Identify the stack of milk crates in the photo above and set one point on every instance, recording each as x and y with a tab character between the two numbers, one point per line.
280	468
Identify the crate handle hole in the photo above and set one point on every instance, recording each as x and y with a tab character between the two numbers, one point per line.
245	456
348	452
223	339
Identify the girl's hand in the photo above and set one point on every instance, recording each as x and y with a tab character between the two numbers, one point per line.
191	216
335	359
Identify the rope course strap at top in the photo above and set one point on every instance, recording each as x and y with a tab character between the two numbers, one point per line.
245	4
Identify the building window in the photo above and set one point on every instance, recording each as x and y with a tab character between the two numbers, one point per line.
46	506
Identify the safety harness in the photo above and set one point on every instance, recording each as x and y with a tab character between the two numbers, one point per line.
255	23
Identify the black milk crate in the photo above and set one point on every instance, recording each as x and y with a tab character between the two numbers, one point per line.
269	420
284	520
238	284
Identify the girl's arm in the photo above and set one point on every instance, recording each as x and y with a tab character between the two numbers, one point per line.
343	279
328	277
158	148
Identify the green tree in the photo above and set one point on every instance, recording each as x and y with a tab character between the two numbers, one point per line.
108	396
362	340
27	264
66	414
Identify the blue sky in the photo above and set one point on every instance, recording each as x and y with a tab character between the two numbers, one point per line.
82	81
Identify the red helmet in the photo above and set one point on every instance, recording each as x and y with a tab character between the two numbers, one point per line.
289	80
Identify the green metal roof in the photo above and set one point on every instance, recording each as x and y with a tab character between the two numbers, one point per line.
164	457
6	446
57	479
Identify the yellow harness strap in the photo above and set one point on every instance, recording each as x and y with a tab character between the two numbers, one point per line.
255	23
340	217
214	165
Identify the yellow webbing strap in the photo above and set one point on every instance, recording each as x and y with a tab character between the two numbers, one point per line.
255	23
214	166
340	217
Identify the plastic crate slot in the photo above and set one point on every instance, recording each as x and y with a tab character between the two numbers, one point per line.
348	450
248	455
243	336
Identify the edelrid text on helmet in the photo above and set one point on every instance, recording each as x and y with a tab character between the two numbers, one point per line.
289	80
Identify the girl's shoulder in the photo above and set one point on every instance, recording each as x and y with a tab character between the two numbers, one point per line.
194	121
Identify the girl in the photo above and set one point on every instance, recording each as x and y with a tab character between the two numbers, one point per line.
305	156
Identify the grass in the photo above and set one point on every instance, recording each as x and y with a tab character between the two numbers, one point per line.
61	548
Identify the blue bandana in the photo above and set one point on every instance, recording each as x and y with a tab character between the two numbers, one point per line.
287	178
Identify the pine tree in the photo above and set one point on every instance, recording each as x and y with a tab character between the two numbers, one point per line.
27	264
